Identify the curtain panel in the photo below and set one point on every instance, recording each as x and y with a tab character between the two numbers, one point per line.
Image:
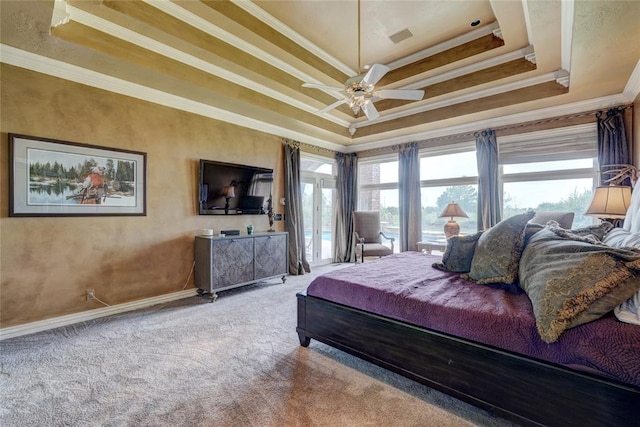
489	201
294	223
613	147
346	203
409	195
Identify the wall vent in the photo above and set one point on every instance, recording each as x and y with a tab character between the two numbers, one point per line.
401	35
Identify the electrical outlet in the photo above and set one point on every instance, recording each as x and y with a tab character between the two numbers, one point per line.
277	217
91	294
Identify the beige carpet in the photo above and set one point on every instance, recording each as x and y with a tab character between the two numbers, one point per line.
236	362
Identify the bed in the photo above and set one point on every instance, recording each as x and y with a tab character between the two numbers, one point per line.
431	325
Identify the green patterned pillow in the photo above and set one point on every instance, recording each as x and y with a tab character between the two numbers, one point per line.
571	282
498	251
459	253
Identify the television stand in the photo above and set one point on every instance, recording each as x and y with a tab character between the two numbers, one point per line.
229	262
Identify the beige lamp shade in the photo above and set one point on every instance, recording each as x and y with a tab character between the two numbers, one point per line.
610	202
229	191
452	210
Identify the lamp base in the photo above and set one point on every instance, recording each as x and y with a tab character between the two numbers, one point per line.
451	228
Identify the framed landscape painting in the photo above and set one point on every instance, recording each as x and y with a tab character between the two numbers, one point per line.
58	178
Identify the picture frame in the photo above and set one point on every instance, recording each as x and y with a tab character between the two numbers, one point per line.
49	177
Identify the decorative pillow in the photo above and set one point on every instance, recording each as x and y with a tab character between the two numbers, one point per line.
629	311
565	219
497	253
620	238
572	282
459	253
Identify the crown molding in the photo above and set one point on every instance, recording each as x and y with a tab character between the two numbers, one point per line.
160	48
468	69
259	13
512	119
63	70
632	88
567	11
543	78
53	67
456	41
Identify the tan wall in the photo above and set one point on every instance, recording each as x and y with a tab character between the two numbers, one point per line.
47	264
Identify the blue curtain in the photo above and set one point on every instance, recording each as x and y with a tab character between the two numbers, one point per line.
410	205
294	223
613	148
489	201
346	203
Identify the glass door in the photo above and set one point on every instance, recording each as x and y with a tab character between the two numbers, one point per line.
318	198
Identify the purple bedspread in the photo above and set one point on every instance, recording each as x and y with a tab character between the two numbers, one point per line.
405	287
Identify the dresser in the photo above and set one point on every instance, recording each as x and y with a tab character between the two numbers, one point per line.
228	262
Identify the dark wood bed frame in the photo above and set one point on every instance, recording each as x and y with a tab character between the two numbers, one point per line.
515	387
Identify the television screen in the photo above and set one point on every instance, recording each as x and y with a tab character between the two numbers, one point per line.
232	189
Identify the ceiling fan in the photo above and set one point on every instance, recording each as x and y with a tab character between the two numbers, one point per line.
359	92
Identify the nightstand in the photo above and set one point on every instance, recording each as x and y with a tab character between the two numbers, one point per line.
432	245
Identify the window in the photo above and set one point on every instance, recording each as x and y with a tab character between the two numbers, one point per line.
549	171
378	190
448	174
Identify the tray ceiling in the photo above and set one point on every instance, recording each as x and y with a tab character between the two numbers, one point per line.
245	61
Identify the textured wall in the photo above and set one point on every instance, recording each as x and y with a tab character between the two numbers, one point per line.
46	264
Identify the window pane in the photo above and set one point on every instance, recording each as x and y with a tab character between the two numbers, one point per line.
385	201
435	199
377	173
566	195
449	166
548	166
315	165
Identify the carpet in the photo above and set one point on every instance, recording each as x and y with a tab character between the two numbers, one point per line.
235	362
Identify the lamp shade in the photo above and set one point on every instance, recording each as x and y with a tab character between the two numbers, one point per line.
610	202
229	191
453	210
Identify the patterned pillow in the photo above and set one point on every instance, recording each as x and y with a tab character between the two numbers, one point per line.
459	253
498	251
571	282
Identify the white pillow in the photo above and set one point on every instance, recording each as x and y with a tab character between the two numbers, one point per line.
628	311
620	238
632	220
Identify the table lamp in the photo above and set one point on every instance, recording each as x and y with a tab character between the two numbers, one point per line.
610	203
452	210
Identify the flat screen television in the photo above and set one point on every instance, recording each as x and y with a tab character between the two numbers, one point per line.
233	189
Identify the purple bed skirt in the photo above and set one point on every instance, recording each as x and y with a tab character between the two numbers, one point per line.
405	287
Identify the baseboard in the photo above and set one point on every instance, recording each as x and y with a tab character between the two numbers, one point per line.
56	322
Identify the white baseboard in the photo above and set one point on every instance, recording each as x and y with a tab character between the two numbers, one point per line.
56	322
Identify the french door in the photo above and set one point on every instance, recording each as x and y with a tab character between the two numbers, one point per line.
318	201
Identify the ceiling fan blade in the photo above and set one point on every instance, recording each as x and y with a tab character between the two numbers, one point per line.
375	73
323	87
410	94
332	106
370	111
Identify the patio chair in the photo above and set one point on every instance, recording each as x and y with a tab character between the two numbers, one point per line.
367	234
